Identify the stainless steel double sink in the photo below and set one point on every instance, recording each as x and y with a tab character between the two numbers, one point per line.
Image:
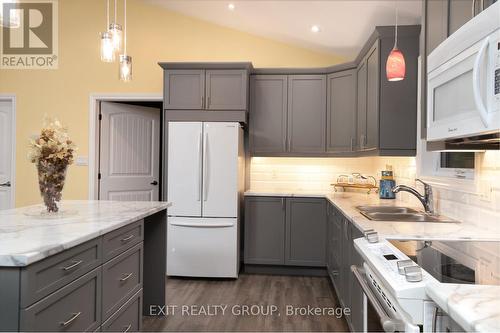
400	214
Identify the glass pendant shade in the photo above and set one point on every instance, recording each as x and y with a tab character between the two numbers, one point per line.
125	68
116	32
107	49
395	66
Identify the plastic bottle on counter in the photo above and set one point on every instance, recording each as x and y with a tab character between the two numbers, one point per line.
387	182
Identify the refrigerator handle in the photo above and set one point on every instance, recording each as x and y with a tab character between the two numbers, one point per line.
205	168
200	165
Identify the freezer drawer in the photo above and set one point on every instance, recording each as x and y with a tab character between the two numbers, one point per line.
202	247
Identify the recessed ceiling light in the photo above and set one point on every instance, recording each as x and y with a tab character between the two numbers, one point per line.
315	28
231	6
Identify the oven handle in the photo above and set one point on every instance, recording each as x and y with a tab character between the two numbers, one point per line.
389	324
476	84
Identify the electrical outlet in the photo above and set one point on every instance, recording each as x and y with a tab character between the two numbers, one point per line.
82	161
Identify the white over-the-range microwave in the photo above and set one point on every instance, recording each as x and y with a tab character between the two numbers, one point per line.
463	80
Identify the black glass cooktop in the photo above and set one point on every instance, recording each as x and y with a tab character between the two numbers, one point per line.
455	262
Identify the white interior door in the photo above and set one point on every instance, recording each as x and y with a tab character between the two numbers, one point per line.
220	169
6	157
129	152
184	168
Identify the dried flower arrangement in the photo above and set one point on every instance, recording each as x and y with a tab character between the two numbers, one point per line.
52	151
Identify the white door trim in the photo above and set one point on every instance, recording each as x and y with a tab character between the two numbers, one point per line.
12	99
94	101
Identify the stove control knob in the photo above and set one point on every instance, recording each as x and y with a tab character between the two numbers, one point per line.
404	263
413	273
371	236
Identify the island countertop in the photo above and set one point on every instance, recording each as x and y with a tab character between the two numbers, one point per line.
25	239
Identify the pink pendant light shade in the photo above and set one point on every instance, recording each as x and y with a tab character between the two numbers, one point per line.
395	66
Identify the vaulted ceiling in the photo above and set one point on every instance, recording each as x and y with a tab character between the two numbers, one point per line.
343	25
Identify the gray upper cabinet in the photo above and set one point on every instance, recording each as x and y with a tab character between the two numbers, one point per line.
436	23
184	89
268	113
305	232
306	114
361	104
372	97
367	99
341	113
226	89
264	240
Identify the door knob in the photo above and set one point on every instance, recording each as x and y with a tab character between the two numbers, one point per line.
154	183
6	184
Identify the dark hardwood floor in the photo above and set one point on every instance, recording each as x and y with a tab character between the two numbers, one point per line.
268	294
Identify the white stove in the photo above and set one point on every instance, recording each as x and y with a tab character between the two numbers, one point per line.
401	305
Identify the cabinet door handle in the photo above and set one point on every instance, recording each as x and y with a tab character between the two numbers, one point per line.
208	102
126	239
202	101
127	328
473	8
352	144
75	264
70	320
126	277
6	184
283	203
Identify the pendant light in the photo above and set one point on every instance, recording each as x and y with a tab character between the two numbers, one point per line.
395	66
107	50
116	33
125	59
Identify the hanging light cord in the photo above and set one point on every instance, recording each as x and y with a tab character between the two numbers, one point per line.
107	15
125	27
396	33
115	12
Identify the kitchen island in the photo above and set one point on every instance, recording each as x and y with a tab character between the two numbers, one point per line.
100	265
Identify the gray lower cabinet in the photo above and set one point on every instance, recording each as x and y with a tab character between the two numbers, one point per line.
226	89
184	89
121	277
305	232
75	307
92	286
341	112
128	318
268	114
356	293
264	231
306	114
285	231
342	255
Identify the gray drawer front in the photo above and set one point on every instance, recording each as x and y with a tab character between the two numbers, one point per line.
44	277
121	278
127	318
76	307
122	239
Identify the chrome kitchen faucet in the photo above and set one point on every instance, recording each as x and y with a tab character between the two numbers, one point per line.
426	199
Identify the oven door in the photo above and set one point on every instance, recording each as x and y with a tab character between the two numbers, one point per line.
459	93
389	321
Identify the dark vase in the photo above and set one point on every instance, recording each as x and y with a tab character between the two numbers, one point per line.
51	177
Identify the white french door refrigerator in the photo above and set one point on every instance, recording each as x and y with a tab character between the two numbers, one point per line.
205	177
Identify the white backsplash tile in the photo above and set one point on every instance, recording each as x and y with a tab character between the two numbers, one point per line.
316	174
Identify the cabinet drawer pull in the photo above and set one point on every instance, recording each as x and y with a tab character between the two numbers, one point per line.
126	277
126	239
70	320
127	328
75	263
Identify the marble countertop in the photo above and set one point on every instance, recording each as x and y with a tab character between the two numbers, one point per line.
474	307
347	202
25	239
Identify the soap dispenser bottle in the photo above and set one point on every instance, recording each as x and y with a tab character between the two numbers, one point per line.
387	182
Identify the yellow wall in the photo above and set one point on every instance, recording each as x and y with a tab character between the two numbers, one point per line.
155	34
